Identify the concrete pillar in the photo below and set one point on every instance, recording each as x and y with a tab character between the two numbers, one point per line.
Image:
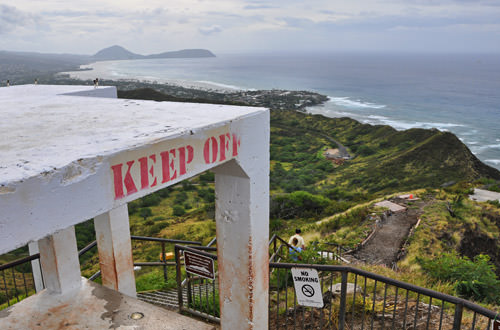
115	250
59	260
242	222
35	266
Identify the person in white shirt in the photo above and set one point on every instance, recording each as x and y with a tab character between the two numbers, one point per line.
299	238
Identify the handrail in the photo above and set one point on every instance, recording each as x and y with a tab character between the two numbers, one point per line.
212	241
164	240
198	250
19	261
87	248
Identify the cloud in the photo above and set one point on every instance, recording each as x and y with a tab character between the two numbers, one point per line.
297	22
80	13
12	18
208	30
252	7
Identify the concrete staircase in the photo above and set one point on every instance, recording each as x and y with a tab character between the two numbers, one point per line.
164	298
169	299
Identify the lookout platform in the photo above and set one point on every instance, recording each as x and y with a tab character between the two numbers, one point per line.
73	153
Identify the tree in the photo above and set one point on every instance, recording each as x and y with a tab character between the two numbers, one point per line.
145	212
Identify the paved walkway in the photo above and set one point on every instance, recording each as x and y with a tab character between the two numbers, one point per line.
482	195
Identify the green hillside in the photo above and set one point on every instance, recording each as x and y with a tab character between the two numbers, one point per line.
307	188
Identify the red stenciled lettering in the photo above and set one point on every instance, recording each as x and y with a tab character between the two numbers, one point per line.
182	158
224	145
164	166
118	179
206	150
182	161
167	165
236	145
144	172
190	154
152	170
129	181
172	165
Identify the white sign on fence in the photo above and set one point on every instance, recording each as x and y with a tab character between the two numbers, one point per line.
307	287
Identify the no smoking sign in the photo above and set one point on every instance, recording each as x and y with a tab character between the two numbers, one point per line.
307	287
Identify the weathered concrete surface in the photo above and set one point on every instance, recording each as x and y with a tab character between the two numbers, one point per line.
242	222
59	260
482	195
67	158
91	307
115	250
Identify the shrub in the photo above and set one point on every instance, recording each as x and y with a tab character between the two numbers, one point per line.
178	210
163	193
187	185
181	197
208	194
298	204
365	150
157	227
473	279
207	177
151	200
134	206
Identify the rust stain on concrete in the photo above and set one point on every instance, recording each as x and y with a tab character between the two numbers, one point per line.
58	309
251	277
107	265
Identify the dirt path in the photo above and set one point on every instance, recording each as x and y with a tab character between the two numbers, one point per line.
384	246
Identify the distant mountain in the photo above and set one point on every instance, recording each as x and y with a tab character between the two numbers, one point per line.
116	53
185	53
120	53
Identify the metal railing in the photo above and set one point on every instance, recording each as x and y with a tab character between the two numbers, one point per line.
353	298
357	299
163	260
13	273
202	295
17	280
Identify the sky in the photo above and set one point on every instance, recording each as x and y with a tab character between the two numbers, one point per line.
234	26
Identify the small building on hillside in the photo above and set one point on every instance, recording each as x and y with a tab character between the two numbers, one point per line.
393	207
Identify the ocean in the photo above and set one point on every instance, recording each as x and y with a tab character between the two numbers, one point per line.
456	93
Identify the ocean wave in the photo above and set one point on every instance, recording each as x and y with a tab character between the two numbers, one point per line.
480	149
493	161
222	85
404	125
347	102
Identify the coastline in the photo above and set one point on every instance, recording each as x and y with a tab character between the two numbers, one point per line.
331	107
91	71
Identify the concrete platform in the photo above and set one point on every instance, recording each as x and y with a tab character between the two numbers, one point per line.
92	307
481	195
391	206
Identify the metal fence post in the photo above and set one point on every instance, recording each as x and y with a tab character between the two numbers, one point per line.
164	259
457	320
274	245
178	276
343	298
